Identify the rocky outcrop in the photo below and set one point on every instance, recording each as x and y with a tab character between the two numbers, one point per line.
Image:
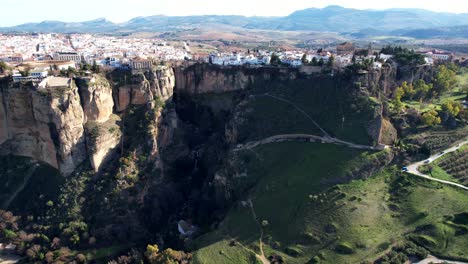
386	79
96	98
203	78
380	129
45	124
144	87
48	124
102	141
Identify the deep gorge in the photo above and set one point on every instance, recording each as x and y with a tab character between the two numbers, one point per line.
156	144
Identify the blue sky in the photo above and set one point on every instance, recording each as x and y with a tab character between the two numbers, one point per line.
15	12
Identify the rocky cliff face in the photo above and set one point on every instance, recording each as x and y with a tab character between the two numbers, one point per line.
206	78
381	129
102	141
96	98
143	87
385	80
46	125
153	88
102	132
64	126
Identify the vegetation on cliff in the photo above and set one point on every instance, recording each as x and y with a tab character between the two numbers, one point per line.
293	202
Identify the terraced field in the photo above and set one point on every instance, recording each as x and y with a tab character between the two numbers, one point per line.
453	167
457	166
439	140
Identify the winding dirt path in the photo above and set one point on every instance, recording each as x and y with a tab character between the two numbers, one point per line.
261	257
298	109
326	138
413	168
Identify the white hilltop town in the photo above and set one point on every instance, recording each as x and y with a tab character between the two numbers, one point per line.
34	56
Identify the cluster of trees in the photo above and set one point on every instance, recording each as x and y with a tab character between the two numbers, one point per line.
70	72
404	56
443	81
91	67
35	245
449	111
430	118
167	256
418	90
320	62
275	59
402	252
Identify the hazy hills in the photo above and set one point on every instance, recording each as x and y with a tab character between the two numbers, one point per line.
411	22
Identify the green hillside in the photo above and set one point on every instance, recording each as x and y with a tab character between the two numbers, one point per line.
304	219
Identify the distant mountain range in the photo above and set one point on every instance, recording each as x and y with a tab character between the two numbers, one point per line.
408	22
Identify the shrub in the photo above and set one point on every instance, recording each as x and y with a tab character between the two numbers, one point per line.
423	240
293	251
311	238
8	234
344	248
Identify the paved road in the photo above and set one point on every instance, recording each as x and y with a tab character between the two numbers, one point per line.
306	137
413	168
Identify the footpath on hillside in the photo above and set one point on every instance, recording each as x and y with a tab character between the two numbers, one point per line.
326	138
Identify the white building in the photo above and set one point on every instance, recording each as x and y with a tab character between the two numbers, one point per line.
385	57
39	73
440	56
67	56
141	64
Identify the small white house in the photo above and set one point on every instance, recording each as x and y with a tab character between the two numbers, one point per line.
429	60
40	73
377	65
385	57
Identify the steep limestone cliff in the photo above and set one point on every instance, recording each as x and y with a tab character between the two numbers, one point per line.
96	98
102	140
48	124
44	124
142	87
380	128
386	79
102	131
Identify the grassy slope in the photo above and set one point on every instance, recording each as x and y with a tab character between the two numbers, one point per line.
431	204
288	174
303	216
325	99
462	79
42	186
